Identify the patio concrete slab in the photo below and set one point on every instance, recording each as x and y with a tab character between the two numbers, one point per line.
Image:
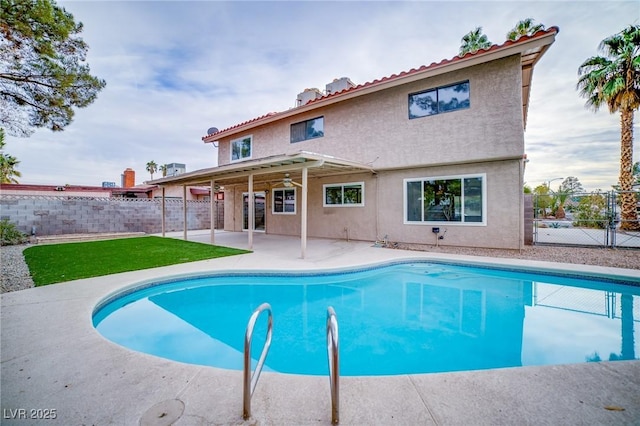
53	359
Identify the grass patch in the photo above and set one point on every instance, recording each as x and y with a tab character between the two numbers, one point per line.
55	263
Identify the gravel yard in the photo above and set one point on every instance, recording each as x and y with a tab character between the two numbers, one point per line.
15	274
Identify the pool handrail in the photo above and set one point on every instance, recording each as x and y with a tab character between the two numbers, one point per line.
334	363
250	380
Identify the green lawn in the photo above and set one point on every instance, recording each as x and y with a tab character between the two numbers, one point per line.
56	263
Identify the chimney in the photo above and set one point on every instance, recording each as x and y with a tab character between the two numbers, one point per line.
308	95
339	84
128	178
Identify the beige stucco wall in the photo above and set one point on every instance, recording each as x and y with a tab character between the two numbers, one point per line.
487	138
375	128
175	191
383	212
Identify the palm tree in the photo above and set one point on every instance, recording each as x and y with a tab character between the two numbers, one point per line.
614	80
164	169
522	28
8	164
152	167
473	41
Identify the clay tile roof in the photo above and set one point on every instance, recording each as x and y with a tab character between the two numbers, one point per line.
403	74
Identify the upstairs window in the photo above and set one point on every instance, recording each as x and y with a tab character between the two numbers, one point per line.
284	201
460	199
344	194
309	129
241	149
438	100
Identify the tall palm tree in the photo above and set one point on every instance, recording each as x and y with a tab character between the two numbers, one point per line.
473	41
614	80
152	167
164	169
524	27
8	164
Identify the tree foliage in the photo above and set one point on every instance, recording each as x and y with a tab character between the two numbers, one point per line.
8	164
571	185
473	41
152	167
43	74
526	27
613	79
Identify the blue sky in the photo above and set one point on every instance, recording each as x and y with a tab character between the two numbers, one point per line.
174	69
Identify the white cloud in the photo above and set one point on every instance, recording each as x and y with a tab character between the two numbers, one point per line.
174	69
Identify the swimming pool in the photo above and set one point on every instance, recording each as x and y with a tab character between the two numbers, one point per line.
400	318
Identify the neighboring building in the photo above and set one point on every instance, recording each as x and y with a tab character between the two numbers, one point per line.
175	169
128	178
434	155
55	190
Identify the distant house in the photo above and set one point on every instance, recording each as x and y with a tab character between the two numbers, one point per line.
430	155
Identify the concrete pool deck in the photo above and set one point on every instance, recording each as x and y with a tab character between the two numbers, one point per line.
53	359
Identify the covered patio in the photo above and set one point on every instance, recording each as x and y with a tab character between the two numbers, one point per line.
271	172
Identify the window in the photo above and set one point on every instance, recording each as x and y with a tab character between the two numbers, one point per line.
241	148
458	199
344	194
309	129
284	201
441	99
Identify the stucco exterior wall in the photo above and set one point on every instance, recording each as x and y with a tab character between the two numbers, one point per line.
383	212
503	215
376	129
487	138
175	192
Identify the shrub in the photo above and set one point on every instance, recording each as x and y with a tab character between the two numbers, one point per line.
591	212
10	235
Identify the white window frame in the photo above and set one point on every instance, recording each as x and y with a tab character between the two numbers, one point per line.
333	185
273	201
405	212
250	137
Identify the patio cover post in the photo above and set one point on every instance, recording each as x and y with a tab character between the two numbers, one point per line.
251	212
212	207
184	210
163	213
303	214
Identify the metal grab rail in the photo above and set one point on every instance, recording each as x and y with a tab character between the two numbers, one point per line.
250	380
334	363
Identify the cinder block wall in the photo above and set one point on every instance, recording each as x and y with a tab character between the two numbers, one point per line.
78	215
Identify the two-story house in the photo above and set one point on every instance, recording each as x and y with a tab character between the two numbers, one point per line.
433	155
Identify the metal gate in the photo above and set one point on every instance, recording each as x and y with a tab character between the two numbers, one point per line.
583	219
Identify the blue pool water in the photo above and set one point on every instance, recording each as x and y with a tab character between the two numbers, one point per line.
402	318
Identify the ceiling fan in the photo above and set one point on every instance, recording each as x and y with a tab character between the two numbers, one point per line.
288	183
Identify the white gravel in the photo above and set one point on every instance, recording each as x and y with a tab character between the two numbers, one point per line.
15	273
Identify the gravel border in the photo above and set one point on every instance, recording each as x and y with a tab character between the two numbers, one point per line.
14	270
16	276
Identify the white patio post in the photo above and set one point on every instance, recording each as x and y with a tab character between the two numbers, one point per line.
163	213
251	213
212	207
184	210
303	215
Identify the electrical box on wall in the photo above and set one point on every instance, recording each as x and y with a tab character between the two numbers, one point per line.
435	230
